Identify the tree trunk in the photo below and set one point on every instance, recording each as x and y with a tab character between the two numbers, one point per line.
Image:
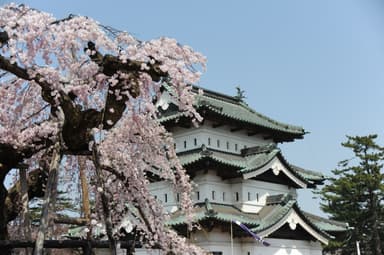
376	235
49	198
3	214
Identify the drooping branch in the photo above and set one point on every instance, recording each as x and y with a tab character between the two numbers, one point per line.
36	181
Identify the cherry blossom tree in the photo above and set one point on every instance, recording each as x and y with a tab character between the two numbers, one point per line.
72	88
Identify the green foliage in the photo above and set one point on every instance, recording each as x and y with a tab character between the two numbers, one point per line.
356	195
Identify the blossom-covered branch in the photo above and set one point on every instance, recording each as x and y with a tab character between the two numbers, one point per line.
105	86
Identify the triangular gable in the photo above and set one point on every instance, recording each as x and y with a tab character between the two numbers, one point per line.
289	214
277	167
293	219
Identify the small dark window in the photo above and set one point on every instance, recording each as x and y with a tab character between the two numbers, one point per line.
177	197
155	197
249	253
195	141
227	145
223	196
257	197
218	143
216	253
174	146
198	195
236	147
213	195
165	198
185	144
249	196
237	196
209	141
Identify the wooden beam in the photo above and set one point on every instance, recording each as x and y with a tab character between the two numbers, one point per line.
236	129
216	125
13	244
70	220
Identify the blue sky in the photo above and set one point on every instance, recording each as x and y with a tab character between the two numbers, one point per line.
317	64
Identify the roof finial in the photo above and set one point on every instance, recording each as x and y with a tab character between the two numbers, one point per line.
240	94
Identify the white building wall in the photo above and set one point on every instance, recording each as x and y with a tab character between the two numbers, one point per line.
232	192
221	242
192	138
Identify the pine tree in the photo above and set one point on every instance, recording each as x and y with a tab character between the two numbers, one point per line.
356	195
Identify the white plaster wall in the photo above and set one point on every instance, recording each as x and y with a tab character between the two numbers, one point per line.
219	241
205	132
208	181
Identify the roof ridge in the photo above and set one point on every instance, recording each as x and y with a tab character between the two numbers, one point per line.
216	95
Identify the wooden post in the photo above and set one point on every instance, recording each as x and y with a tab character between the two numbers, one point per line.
25	217
85	194
49	198
104	200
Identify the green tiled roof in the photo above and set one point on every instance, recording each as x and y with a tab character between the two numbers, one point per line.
272	214
239	111
234	109
275	210
194	156
221	212
326	224
307	174
247	163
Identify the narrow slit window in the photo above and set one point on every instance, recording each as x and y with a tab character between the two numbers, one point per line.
174	146
227	145
237	196
213	195
177	197
165	197
198	195
218	143
209	141
236	147
223	196
185	144
195	141
249	196
257	197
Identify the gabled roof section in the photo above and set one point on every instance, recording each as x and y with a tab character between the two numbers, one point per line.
327	225
254	162
213	105
280	213
215	211
282	210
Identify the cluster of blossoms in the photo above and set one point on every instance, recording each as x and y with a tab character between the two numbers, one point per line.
52	63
